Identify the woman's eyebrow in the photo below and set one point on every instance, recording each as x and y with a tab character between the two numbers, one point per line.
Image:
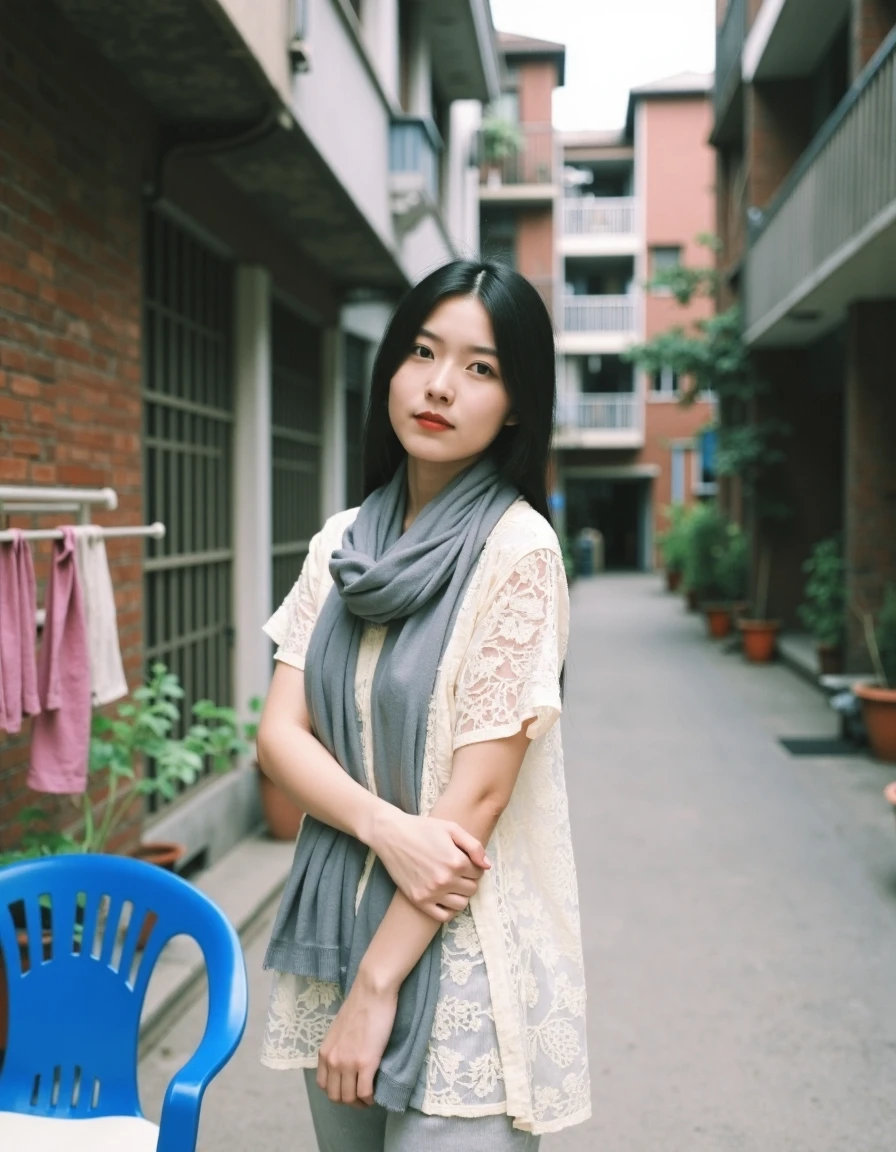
482	349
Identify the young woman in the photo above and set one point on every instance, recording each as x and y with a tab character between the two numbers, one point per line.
433	992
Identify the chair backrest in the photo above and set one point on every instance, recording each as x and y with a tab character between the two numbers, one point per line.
70	927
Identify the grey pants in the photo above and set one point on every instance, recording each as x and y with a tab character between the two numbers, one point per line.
342	1129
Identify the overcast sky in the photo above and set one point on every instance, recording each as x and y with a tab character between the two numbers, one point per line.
613	46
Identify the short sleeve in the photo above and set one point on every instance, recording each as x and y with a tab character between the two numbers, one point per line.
511	670
292	624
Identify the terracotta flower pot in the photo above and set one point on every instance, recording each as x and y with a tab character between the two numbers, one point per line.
760	638
830	659
282	816
163	853
719	620
879	714
673	579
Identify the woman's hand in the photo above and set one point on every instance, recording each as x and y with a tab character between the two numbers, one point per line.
435	863
352	1049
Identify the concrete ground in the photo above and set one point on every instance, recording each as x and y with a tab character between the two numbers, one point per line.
738	910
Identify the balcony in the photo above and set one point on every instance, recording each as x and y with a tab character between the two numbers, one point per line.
530	175
599	323
600	420
414	147
599	227
730	40
829	236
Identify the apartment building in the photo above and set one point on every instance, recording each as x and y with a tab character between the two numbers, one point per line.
634	201
805	133
207	211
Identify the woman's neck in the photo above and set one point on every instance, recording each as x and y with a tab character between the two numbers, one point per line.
425	481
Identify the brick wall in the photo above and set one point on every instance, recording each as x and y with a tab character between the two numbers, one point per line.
535	250
806	393
870	542
666	423
71	143
872	21
779	128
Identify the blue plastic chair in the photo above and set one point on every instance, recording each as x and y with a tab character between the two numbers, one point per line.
69	1078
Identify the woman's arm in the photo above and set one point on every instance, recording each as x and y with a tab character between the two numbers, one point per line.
437	863
482	780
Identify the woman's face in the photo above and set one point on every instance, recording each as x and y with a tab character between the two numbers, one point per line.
447	401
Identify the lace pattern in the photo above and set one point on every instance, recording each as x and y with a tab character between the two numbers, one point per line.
509	1031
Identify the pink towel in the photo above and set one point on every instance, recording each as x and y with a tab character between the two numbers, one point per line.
18	633
61	734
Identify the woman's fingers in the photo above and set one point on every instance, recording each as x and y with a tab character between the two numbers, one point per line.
470	845
365	1087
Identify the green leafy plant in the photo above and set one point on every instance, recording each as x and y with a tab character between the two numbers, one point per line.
823	610
732	560
706	538
880	637
673	542
39	838
501	139
141	731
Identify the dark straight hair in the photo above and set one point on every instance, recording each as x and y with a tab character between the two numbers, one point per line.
524	339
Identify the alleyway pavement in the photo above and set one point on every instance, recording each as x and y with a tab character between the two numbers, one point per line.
738	908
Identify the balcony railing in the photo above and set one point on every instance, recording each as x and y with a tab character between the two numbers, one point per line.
729	50
840	188
600	313
535	163
589	216
600	412
414	147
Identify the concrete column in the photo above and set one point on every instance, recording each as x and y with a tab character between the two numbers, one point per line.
870	465
381	33
252	484
332	489
420	61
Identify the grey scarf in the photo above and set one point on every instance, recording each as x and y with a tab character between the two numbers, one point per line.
413	582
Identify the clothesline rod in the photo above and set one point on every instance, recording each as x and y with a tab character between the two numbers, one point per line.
20	493
13	509
156	531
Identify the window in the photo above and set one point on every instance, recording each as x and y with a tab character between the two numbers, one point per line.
705	465
662	259
678	472
665	384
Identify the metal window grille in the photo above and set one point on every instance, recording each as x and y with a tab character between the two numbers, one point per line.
296	370
188	434
355	381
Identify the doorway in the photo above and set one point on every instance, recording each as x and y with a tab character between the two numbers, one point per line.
619	510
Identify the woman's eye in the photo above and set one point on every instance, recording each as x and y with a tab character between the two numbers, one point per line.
483	369
422	351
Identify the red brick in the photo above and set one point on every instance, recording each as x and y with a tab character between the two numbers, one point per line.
43	474
25	385
13	470
11	409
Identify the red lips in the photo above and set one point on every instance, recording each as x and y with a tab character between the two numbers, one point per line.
432	418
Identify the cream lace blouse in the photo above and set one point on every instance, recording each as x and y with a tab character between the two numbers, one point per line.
509	1029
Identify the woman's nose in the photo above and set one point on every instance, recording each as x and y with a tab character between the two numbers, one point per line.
439	384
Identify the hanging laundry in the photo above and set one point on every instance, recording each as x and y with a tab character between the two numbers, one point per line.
60	737
18	631
107	678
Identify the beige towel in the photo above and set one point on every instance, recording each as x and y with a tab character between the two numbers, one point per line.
107	679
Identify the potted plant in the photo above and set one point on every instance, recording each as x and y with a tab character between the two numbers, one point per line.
731	560
141	731
673	544
501	140
706	530
823	610
878	698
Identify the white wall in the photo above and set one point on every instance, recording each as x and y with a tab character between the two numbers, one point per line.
265	28
344	112
462	208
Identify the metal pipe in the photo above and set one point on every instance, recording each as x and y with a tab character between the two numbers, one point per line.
155	531
22	494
